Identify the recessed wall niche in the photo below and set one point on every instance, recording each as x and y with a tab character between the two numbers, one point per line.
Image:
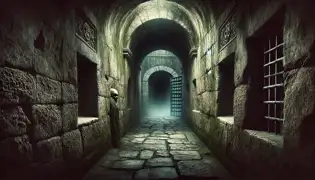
87	87
226	86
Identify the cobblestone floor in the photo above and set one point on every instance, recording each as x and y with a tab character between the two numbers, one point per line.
160	148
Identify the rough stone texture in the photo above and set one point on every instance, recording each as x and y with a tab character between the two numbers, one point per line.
202	168
159	162
93	135
13	122
16	87
156	173
48	90
299	107
47	63
16	150
16	55
49	150
103	106
69	93
146	154
69	117
185	155
240	104
69	58
128	154
162	153
128	164
72	145
47	121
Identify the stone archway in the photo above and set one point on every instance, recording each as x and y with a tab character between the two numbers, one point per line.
145	83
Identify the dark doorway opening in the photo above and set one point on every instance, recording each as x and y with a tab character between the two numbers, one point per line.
226	86
87	87
159	94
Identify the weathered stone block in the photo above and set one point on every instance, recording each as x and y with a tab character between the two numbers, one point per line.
69	117
94	135
49	150
72	145
209	103
103	85
48	62
16	54
48	90
240	105
299	105
212	79
16	150
13	122
16	86
200	85
103	105
47	121
69	58
69	93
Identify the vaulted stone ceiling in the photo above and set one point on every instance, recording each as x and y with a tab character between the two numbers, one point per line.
128	17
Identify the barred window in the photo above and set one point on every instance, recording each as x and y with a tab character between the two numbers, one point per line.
273	83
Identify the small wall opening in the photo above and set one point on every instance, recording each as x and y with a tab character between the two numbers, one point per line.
266	76
159	94
226	86
87	89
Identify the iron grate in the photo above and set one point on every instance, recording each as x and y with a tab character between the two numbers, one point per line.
273	83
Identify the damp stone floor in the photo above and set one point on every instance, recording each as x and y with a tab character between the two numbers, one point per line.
160	148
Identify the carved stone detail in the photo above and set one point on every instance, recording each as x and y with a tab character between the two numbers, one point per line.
227	31
86	31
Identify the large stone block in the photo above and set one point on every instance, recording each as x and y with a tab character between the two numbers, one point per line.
240	105
69	117
209	103
69	93
103	107
16	87
299	106
49	150
16	150
72	145
69	59
212	79
200	85
103	84
13	122
16	54
47	121
48	90
94	136
48	62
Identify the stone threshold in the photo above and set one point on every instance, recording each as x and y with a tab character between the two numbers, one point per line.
274	139
86	120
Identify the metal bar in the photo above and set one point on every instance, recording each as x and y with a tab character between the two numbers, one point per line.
274	118
273	86
276	74
273	102
274	61
271	49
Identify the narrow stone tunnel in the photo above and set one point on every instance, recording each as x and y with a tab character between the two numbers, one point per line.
157	89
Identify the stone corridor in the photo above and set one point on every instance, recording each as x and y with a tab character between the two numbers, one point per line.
160	148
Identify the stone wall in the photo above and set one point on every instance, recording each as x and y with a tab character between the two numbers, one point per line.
238	140
39	130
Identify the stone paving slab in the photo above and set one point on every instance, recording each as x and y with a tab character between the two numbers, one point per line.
162	148
156	173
